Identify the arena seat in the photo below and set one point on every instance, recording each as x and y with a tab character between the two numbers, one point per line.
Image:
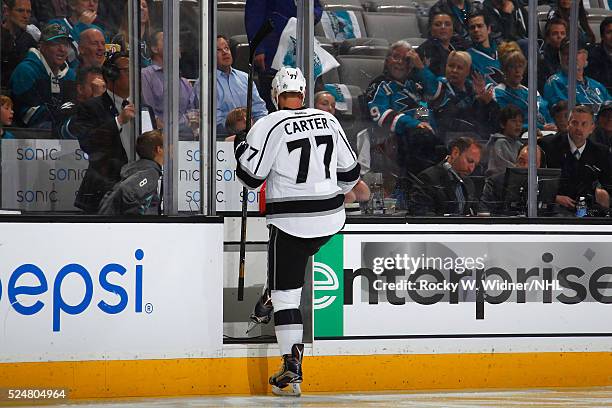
359	70
363	46
231	4
344	4
392	27
393	6
239	44
319	32
230	22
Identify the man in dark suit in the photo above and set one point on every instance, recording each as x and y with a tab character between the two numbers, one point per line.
102	126
445	187
584	164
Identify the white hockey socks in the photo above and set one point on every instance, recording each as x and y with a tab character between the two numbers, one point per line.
287	318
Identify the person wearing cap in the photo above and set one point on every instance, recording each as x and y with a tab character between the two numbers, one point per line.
43	81
603	131
588	90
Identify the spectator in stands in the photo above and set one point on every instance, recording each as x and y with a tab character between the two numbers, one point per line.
396	103
434	52
559	113
16	40
503	147
256	12
509	20
111	12
588	90
92	49
152	83
512	91
492	198
45	10
123	37
562	10
555	31
603	131
232	87
459	10
325	101
90	83
43	82
6	117
101	125
584	164
462	105
483	51
445	188
600	56
138	192
83	15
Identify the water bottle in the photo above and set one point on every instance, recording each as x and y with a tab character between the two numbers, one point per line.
377	196
581	207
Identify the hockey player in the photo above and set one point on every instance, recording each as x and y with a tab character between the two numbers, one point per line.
305	158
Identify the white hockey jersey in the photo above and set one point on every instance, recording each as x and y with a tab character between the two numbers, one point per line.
309	166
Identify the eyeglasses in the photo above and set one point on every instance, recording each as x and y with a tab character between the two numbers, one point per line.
224	49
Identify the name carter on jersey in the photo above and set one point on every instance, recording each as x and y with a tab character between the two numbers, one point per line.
305	125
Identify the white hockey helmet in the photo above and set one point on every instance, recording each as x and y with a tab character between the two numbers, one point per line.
287	79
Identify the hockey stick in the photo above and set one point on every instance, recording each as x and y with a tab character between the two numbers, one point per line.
264	30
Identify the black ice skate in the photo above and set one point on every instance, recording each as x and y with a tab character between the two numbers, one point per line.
262	313
287	380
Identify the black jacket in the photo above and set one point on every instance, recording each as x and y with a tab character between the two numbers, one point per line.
578	177
600	66
435	54
548	65
14	49
436	195
461	37
136	193
95	127
506	26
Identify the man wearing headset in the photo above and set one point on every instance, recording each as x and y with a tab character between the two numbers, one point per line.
101	125
445	188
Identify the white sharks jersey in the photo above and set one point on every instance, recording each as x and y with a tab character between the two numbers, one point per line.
309	166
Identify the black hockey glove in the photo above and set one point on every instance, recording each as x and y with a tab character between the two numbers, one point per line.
240	144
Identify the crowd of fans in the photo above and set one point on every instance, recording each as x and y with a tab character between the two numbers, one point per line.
457	109
455	106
